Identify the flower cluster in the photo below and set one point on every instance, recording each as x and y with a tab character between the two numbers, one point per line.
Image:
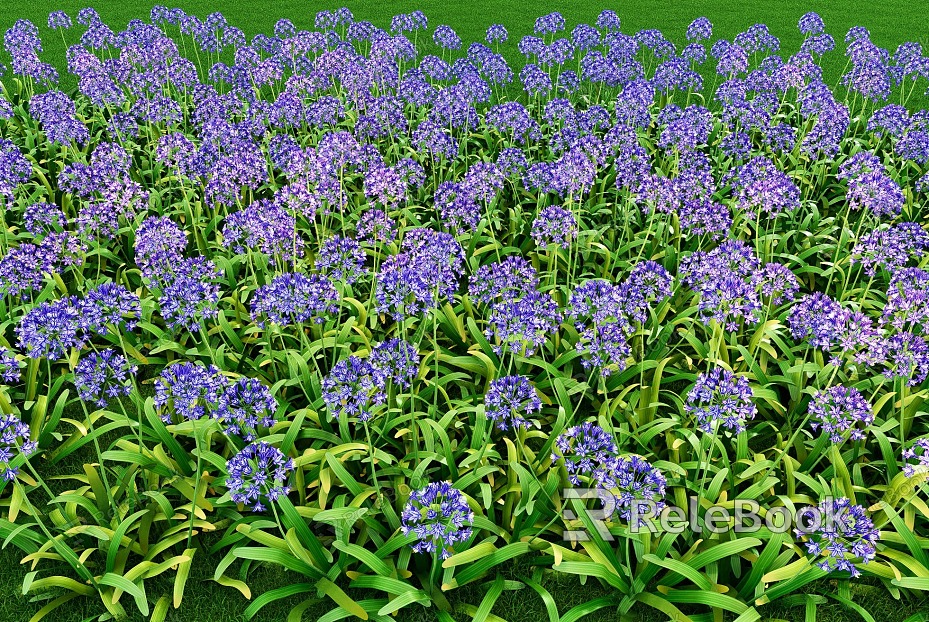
102	376
509	400
843	532
718	399
439	517
839	409
259	473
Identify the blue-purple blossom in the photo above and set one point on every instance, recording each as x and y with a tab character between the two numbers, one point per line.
102	376
509	400
721	399
14	441
257	475
439	516
836	531
839	409
9	366
244	407
587	451
188	391
352	389
394	361
294	298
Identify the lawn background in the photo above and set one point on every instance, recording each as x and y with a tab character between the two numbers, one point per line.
890	23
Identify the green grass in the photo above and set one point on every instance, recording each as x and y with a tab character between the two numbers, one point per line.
890	23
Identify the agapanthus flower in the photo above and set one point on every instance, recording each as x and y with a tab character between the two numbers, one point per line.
51	329
728	281
376	227
838	531
700	29
907	306
244	407
188	292
651	281
159	244
9	366
916	458
636	489
426	271
14	441
554	225
394	361
890	248
189	391
352	389
342	259
778	283
109	304
587	451
501	280
294	298
720	398
439	516
524	324
41	219
827	325
102	376
509	400
759	188
905	356
258	474
14	168
839	409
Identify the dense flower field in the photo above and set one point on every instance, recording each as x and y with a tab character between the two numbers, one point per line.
384	317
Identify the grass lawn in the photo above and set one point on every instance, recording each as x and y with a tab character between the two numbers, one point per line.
890	22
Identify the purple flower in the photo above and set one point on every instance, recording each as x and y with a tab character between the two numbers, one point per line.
825	324
57	115
509	400
636	488
446	38
351	389
51	329
496	33
159	245
9	366
554	225
700	29
258	473
905	356
394	361
342	259
102	376
294	298
524	324
14	168
720	398
59	19
588	451
502	280
839	409
890	248
779	284
918	452
549	24
265	226
244	407
439	516
759	187
907	306
376	227
837	530
14	441
109	305
188	292
811	24
189	391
